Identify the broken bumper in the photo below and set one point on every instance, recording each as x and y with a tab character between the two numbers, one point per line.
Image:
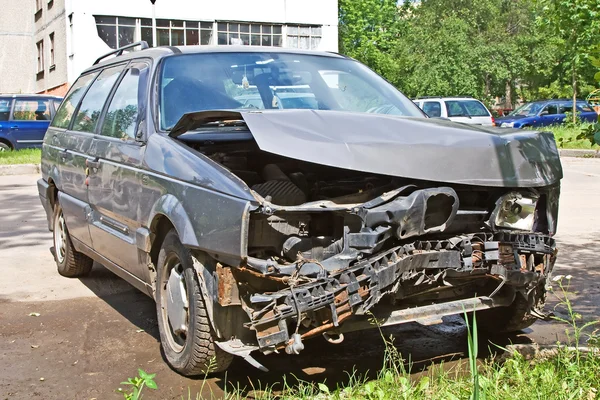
412	276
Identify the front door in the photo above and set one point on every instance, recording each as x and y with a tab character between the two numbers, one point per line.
116	175
29	121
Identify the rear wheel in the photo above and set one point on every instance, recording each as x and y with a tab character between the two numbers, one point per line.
187	338
69	262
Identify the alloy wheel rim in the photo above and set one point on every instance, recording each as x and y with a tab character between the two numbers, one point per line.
174	303
60	239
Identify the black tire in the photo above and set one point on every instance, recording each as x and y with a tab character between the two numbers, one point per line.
69	262
5	147
509	319
195	353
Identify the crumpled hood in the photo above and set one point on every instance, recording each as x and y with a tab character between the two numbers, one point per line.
417	148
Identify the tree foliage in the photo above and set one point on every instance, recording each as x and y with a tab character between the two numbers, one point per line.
483	48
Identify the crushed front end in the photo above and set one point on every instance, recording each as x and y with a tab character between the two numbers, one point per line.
416	252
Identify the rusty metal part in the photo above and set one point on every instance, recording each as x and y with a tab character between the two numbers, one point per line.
227	289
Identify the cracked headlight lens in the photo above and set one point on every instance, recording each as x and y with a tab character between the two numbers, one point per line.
515	211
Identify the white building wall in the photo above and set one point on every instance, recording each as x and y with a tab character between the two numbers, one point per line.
84	45
17	48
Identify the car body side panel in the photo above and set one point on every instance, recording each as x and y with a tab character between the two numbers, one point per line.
205	202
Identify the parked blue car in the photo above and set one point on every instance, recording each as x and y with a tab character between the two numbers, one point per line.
24	120
544	113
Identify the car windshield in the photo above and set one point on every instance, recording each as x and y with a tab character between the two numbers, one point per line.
264	80
527	110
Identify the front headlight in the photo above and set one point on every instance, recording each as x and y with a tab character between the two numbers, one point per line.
507	125
515	211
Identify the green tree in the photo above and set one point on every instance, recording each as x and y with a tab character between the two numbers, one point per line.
368	31
576	24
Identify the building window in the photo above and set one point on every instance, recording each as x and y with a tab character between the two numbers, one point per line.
146	31
116	31
183	33
249	34
304	37
40	56
38	6
52	50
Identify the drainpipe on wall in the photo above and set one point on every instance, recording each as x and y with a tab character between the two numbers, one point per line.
154	43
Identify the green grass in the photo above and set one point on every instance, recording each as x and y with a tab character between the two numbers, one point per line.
565	137
26	156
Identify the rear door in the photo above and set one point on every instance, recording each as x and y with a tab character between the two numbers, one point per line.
116	173
587	113
29	121
63	162
551	115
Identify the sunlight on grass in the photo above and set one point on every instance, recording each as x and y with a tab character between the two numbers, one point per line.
26	156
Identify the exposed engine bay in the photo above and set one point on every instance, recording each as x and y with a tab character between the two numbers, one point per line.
326	244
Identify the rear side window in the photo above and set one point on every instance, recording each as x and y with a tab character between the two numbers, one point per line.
455	109
122	115
65	112
32	110
91	106
584	107
432	108
5	109
475	108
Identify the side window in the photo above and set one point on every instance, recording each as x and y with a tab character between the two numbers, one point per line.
122	115
31	110
56	105
65	112
551	109
584	107
91	105
432	108
455	109
5	109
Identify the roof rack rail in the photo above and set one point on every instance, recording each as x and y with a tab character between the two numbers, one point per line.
120	50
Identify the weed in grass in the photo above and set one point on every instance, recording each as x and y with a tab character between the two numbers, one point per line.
137	385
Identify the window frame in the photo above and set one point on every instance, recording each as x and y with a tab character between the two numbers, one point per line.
97	71
142	107
11	116
250	24
11	103
432	101
298	35
52	52
40	56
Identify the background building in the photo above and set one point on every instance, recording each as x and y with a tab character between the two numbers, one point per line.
46	44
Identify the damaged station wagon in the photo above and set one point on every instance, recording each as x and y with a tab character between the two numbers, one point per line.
256	226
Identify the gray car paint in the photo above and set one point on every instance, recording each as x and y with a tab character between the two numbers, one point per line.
209	206
416	148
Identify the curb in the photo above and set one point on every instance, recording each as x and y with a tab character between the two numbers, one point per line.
585	153
19	169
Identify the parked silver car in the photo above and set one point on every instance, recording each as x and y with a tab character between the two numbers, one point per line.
257	229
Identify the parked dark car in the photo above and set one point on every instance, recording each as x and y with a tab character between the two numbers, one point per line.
545	113
24	120
255	229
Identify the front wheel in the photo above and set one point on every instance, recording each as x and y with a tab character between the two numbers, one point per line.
4	147
186	336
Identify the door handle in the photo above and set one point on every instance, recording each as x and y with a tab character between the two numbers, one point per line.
16	128
92	163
